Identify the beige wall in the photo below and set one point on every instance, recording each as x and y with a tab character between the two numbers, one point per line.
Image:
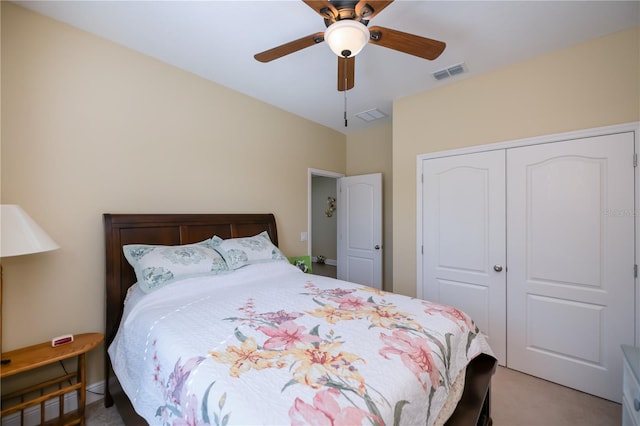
92	127
589	85
369	151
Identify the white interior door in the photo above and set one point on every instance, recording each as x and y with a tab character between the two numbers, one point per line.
570	245
360	229
464	239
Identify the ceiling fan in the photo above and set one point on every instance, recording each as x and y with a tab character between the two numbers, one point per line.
347	34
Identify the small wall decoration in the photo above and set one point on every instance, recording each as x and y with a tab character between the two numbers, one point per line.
331	201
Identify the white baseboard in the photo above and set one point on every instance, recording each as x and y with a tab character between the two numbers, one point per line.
95	392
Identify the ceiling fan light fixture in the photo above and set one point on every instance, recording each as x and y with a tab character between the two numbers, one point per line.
347	37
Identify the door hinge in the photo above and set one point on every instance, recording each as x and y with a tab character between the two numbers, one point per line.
635	271
635	160
421	249
422	178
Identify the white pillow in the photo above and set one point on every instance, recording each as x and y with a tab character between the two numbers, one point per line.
156	266
238	252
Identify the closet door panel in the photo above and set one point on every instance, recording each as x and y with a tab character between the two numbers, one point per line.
464	238
570	252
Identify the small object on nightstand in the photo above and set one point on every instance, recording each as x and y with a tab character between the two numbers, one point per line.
61	340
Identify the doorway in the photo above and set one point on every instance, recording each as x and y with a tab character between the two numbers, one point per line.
353	206
322	242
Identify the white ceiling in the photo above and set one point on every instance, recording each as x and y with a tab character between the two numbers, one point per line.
217	40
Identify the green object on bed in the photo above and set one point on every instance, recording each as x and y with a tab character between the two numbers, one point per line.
302	262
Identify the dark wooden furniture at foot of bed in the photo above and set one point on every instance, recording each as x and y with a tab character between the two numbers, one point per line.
176	229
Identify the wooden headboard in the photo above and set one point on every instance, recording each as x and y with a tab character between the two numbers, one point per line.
161	229
164	229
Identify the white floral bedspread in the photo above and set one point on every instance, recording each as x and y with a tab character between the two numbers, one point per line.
268	344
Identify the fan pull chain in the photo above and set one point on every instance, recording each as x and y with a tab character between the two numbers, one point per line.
345	90
345	103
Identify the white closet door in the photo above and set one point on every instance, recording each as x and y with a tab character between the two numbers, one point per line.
464	239
570	251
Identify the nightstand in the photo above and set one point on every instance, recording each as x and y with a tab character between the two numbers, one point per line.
32	357
631	386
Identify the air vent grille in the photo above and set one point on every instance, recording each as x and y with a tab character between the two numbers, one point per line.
449	72
371	115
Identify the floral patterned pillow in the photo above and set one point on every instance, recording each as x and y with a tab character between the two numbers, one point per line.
238	252
156	266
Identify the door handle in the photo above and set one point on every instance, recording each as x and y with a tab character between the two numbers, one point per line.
497	268
377	247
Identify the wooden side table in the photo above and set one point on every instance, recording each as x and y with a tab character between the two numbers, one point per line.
32	357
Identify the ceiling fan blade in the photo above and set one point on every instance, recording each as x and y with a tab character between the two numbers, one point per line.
346	71
368	9
407	43
323	8
287	48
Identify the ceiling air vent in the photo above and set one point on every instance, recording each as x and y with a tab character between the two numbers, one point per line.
449	72
371	115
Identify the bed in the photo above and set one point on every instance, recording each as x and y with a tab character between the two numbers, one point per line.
261	328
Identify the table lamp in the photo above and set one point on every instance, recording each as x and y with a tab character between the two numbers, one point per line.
19	235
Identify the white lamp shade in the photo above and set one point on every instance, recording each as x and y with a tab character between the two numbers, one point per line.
346	35
19	234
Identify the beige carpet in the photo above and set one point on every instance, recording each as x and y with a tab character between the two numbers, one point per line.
97	415
517	400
